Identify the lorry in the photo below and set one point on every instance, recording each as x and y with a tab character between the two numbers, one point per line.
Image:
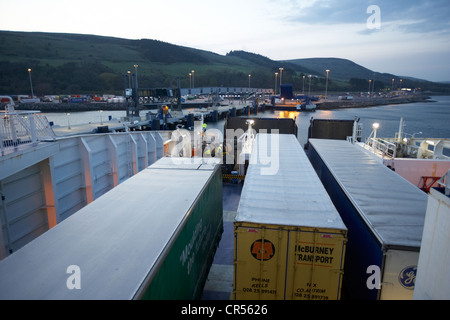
153	236
384	214
289	239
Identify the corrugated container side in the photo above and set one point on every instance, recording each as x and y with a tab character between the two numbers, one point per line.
288	263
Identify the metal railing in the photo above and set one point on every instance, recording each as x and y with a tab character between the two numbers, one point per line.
444	182
384	148
22	128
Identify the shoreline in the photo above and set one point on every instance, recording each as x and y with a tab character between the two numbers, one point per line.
332	105
64	107
47	107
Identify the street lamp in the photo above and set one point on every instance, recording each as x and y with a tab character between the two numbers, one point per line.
303	84
326	85
31	83
129	78
190	80
249	77
392	89
193	79
309	91
276	76
135	68
281	74
370	82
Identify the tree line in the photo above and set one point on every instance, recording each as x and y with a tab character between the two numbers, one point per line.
94	77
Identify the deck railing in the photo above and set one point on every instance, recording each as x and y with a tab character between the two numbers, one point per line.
18	128
385	148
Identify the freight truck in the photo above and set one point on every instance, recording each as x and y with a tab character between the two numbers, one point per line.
289	238
384	215
152	237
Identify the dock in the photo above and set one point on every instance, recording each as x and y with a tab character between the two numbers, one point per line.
176	119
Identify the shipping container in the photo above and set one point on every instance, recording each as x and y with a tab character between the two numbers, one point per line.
152	237
289	238
77	100
384	215
433	276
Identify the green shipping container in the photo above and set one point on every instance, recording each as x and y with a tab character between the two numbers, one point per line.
152	237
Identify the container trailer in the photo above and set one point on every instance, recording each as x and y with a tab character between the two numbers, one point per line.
384	215
152	237
289	238
433	277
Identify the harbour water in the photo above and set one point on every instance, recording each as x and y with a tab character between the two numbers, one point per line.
422	119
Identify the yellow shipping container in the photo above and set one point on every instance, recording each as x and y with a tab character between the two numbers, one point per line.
289	239
276	262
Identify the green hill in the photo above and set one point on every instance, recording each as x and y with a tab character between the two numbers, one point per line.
74	63
341	68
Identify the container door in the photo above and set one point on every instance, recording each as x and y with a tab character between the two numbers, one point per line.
260	263
315	265
399	276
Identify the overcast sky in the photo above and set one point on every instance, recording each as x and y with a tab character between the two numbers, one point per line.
403	37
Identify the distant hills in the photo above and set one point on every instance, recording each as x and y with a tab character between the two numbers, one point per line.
74	63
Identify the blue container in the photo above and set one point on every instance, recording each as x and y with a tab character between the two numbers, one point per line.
384	215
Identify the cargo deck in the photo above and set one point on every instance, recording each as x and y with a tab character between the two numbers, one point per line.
219	284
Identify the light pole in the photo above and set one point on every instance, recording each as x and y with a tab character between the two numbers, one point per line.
190	80
68	121
309	91
136	92
392	89
326	85
375	127
31	83
193	78
281	74
249	77
276	76
303	84
370	82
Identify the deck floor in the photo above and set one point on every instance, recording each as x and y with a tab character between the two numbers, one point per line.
219	284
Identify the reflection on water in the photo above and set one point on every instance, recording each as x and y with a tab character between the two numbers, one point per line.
287	114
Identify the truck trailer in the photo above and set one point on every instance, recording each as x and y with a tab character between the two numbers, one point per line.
152	237
384	215
289	239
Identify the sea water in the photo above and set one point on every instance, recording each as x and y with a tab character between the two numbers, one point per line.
421	119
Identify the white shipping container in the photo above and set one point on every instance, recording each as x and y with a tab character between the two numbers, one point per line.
433	276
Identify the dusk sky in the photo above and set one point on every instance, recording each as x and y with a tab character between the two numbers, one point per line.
403	37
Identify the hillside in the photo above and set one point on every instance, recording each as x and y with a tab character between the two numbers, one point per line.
73	63
341	68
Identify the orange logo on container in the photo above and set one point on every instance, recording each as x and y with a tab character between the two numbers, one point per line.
262	250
